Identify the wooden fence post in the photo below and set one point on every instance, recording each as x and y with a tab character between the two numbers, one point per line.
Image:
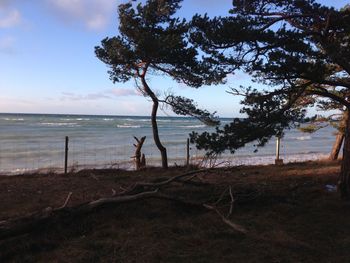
278	161
188	152
66	155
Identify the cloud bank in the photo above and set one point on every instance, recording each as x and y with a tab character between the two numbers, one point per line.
4	3
106	94
93	14
9	17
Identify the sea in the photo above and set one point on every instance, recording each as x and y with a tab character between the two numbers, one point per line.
36	143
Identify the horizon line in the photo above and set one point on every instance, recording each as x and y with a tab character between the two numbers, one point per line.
84	114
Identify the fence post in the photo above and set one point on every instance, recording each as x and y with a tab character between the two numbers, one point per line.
66	155
278	161
188	152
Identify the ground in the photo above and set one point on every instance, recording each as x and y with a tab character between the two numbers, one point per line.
288	211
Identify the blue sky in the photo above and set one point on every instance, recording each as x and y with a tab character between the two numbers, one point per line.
47	61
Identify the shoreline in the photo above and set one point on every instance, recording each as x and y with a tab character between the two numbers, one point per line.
235	161
31	144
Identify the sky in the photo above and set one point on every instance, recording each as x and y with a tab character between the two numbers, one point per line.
48	65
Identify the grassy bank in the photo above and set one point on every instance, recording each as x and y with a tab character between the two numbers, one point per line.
288	213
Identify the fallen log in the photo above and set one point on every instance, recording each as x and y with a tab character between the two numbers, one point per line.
227	221
178	178
29	223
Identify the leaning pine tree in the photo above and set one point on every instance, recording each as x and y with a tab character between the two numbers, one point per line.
152	40
298	48
337	120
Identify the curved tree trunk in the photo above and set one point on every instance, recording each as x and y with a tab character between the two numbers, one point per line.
159	145
336	147
344	178
340	137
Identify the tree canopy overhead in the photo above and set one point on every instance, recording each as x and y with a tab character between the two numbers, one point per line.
152	39
280	41
298	48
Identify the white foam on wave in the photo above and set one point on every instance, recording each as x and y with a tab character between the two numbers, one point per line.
58	124
154	160
160	120
269	159
74	119
303	138
135	120
193	126
13	119
15	171
128	126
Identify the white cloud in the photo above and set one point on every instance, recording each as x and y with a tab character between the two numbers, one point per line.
106	94
119	92
4	4
10	104
78	97
134	108
93	14
9	18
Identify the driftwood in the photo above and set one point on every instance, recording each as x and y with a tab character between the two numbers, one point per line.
28	223
140	159
138	191
178	178
226	220
65	202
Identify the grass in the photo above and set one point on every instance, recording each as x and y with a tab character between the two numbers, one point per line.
289	215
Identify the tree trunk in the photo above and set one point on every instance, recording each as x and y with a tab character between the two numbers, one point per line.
159	145
344	178
340	137
336	147
143	161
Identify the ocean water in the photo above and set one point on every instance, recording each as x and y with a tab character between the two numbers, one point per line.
35	142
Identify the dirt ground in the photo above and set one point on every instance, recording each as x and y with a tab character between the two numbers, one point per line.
288	211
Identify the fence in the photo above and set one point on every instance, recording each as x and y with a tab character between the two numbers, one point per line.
63	154
76	153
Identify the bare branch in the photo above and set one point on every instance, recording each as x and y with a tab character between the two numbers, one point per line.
232	201
66	201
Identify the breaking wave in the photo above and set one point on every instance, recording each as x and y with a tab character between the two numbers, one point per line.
128	126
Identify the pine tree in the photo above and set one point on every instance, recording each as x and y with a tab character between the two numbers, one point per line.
298	48
152	40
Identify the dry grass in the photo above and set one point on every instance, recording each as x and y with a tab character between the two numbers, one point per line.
286	209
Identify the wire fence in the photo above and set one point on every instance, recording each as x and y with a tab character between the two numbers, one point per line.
50	155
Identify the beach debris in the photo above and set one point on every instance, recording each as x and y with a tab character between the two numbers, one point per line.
331	188
66	201
142	190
